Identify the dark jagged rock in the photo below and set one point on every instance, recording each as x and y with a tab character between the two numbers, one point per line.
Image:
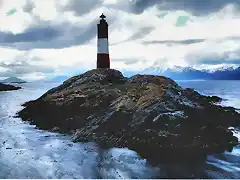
150	114
8	87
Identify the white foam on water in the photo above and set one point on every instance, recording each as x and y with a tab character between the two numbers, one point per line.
27	152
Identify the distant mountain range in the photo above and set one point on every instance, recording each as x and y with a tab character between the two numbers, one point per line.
188	73
12	80
176	73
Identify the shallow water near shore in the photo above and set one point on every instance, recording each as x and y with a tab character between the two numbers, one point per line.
27	152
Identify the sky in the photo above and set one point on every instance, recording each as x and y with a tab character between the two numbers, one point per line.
46	38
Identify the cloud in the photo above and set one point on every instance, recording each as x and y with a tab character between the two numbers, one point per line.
196	7
218	61
47	35
1	2
169	42
142	32
60	33
214	53
80	7
188	41
139	34
60	36
128	61
215	58
21	67
33	34
29	6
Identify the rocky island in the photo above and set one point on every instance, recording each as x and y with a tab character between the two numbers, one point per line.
152	115
8	87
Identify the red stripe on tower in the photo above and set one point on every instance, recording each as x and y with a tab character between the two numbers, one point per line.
103	60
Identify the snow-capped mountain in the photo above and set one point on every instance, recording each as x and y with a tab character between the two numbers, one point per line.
153	70
189	73
178	73
222	68
227	74
180	69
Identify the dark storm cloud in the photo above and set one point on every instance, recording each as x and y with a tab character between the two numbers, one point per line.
80	7
21	67
183	42
33	34
197	7
47	35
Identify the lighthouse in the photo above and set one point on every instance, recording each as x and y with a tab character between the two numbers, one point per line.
103	59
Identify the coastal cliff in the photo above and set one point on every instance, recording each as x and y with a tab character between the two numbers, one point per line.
152	115
8	87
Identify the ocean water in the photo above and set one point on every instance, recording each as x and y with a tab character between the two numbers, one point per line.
225	165
27	152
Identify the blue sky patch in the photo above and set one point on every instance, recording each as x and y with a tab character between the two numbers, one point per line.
182	21
11	12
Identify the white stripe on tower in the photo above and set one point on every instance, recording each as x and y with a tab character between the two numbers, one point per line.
102	46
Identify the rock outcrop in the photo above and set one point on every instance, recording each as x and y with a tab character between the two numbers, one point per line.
150	114
8	87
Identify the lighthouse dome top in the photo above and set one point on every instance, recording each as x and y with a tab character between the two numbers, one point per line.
102	16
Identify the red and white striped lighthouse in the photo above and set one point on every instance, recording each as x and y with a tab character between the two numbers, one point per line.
103	59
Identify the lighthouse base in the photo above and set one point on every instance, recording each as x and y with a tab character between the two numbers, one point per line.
103	61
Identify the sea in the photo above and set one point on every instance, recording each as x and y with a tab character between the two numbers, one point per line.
28	152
